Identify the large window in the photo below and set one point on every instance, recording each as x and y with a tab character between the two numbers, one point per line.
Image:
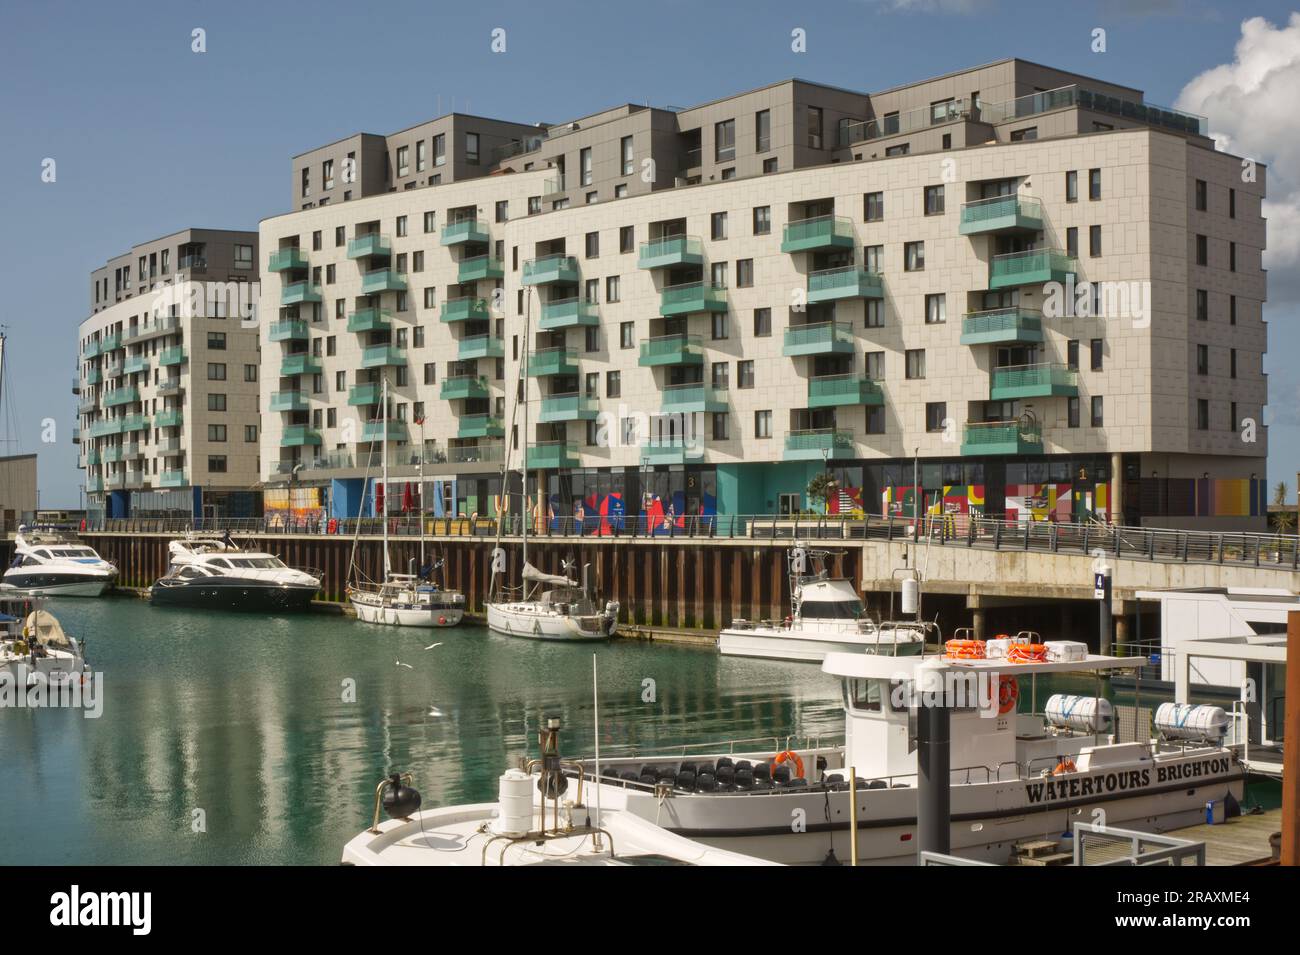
724	140
762	131
471	148
814	127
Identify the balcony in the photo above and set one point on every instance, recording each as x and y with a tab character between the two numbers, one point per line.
567	408
375	430
554	186
94	377
372	244
479	426
94	485
172	478
818	234
289	401
480	346
110	343
288	330
832	285
465	231
172	356
1001	214
105	427
301	363
479	268
463	386
820	338
87	406
669	251
383	280
467	309
1033	381
370	320
1002	325
284	260
91	350
169	447
1033	267
368	394
692	399
567	313
548	455
135	422
169	418
298	293
169	387
818	444
135	365
671	350
159	326
692	297
553	361
832	391
299	435
1002	437
486	452
551	270
667	451
114	370
121	396
114	454
93	458
383	356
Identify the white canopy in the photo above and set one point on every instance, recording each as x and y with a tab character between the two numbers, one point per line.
535	575
43	628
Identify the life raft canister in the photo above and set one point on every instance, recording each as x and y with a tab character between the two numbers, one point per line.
788	756
333	527
1008	694
1064	766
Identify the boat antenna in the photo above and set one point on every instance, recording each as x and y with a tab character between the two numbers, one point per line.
383	407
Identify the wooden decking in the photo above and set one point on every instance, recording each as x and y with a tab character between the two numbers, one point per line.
1242	840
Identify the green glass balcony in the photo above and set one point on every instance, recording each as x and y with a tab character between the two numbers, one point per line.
1033	381
692	297
479	268
831	391
485	452
113	370
820	338
94	485
553	361
467	309
284	260
299	435
480	346
108	426
479	426
374	431
91	350
671	350
1002	437
94	457
1034	267
832	285
171	418
94	377
567	313
88	406
367	394
383	280
121	396
298	293
1001	214
820	233
289	401
383	356
692	398
551	270
173	478
135	422
110	343
547	455
301	363
998	325
567	408
818	444
172	356
371	244
288	330
463	386
465	231
168	387
669	251
135	365
370	320
114	453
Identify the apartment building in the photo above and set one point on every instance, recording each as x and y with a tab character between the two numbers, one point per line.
168	368
1038	289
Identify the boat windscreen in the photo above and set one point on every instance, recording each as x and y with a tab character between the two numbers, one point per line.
830	609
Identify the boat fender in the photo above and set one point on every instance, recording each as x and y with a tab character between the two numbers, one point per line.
442	621
1008	694
788	756
400	802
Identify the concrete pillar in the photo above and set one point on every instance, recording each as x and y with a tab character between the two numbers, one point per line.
1121	632
977	622
1117	489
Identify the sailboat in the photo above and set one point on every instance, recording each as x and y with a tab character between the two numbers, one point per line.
550	606
403	600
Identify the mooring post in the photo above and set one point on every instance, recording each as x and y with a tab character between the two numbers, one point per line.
933	757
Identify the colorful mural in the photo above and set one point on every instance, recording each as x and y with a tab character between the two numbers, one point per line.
305	506
1060	502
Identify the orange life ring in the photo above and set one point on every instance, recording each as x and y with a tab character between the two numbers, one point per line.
1008	694
1064	766
1027	653
786	756
964	649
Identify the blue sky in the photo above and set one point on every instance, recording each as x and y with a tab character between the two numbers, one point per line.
150	137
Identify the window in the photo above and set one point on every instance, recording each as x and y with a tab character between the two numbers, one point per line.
915	358
934	200
762	220
430	297
591	291
718	271
243	256
1072	186
1202	414
873	258
421	155
1202	359
217	341
471	148
1072	241
613	289
729	173
217	463
814	127
593	245
719	325
1094	184
1095	354
1094	240
627	239
935	414
724	141
1202	250
315	241
1202	305
403	163
1232	256
720	375
430	373
1232	363
745	374
762	323
1232	211
1072	354
763	131
417	261
1097	417
216	432
440	149
762	424
627	335
873	206
913	256
719	426
250	373
1232	310
625	150
591	338
744	273
718	225
593	384
936	309
873	313
1026	135
613	384
250	433
1072	412
901	150
584	167
875	365
1201	198
216	372
769	165
534	205
216	402
306	182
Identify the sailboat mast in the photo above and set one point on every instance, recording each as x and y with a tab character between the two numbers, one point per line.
384	425
523	469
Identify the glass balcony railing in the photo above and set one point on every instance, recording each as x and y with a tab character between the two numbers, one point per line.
288	401
465	231
829	391
383	356
484	452
298	435
551	270
819	338
467	309
370	320
829	285
121	396
1013	213
479	426
172	356
372	244
282	260
1031	267
818	233
672	350
479	268
135	365
553	361
1000	325
480	346
693	398
692	297
1033	381
172	478
288	330
297	293
383	280
816	444
463	386
366	394
170	418
301	363
1002	437
572	407
567	313
670	251
552	454
374	431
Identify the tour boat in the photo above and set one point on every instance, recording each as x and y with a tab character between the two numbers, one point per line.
32	642
403	600
211	571
826	616
1014	776
53	563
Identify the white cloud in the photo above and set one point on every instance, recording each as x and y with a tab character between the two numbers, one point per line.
963	7
1250	104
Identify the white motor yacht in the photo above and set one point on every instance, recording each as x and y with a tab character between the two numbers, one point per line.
54	563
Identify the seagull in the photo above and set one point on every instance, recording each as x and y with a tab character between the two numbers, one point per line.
401	664
432	645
